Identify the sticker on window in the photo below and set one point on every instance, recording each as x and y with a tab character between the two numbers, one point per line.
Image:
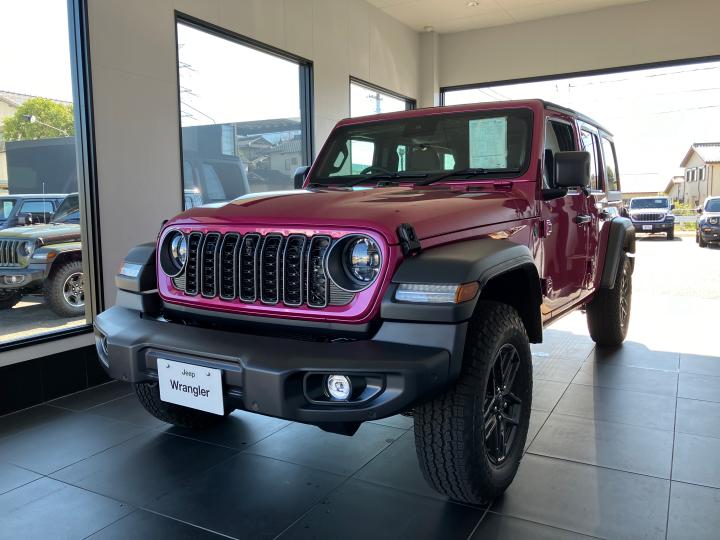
488	143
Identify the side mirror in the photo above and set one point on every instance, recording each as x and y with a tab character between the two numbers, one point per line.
572	169
25	219
699	210
672	207
299	176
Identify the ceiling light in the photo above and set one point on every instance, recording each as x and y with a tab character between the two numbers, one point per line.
473	4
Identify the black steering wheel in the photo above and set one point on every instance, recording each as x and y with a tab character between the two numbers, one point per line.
375	169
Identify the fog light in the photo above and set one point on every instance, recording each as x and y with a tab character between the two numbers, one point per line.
338	387
13	280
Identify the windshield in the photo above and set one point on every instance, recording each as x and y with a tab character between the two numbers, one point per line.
6	207
493	143
637	204
68	211
713	205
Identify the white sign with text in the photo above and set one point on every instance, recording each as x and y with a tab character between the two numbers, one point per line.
191	386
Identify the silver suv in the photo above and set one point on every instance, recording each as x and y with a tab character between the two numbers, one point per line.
653	215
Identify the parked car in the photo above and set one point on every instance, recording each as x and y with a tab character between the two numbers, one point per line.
653	215
17	210
384	285
45	259
708	223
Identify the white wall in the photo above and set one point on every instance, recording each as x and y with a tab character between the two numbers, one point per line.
132	44
654	31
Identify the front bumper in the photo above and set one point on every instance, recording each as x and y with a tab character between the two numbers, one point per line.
653	226
22	277
710	233
268	375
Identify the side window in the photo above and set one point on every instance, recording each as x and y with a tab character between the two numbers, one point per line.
558	138
589	145
448	162
37	207
354	158
610	161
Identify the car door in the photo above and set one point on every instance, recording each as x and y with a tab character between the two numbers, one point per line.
565	240
596	201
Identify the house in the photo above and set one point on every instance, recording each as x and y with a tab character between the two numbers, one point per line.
702	172
676	189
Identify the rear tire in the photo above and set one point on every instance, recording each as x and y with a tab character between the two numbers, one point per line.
467	448
8	299
608	315
149	396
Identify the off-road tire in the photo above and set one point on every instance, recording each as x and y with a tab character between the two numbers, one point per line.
450	429
607	321
149	396
8	299
701	242
54	295
671	234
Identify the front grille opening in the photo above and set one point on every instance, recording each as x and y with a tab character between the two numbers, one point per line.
273	269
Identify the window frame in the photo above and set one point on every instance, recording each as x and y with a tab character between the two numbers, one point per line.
305	79
605	138
85	154
410	103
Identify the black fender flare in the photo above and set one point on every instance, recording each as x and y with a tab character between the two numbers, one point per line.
480	260
620	240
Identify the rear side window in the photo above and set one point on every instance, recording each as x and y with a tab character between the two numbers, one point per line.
589	144
610	161
558	138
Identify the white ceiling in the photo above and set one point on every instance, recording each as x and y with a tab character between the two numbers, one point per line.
445	16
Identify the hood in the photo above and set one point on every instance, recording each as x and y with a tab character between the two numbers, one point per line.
709	215
432	211
45	233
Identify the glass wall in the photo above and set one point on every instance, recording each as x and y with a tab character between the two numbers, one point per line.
367	99
42	283
243	116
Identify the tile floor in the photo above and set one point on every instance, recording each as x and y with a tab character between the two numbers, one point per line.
623	444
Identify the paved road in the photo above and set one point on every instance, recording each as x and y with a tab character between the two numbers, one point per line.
31	317
676	288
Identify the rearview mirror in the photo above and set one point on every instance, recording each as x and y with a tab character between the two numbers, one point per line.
572	169
299	176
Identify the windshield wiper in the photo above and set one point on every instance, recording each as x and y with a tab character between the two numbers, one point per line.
380	176
464	172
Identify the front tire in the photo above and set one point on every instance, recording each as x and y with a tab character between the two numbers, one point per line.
608	315
702	243
8	299
671	234
65	290
470	439
149	396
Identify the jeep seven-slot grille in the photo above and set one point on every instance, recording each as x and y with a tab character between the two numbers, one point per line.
9	253
273	269
648	217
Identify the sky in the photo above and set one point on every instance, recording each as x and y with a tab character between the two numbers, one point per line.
654	114
35	47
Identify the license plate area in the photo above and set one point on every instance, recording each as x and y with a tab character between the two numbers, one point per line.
647	227
190	385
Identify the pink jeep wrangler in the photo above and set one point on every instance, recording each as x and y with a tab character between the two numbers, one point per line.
409	272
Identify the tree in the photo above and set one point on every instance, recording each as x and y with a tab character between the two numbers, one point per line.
39	118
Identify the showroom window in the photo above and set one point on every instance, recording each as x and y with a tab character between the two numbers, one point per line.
244	114
45	289
366	99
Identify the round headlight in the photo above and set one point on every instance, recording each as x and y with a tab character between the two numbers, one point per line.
26	248
173	253
178	250
354	262
362	259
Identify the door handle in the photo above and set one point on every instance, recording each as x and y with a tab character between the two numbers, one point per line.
582	219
